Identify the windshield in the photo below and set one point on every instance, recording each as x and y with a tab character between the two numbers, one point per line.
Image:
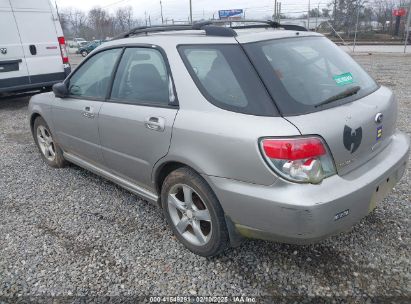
307	74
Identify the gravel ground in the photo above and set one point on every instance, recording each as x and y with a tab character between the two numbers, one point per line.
69	232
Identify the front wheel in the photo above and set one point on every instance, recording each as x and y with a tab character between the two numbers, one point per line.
194	213
84	53
49	149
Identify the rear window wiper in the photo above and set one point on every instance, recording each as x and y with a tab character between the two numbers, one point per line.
343	94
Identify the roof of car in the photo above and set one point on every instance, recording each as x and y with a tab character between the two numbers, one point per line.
190	36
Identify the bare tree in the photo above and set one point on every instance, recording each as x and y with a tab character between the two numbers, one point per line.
101	23
383	12
124	19
76	20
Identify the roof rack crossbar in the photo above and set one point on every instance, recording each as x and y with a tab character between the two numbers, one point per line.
211	27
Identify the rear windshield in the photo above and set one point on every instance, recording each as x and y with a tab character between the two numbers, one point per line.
308	74
227	79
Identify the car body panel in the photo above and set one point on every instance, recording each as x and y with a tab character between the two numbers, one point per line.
128	146
30	37
76	130
305	213
361	113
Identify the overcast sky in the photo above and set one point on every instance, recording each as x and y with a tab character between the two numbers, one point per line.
179	9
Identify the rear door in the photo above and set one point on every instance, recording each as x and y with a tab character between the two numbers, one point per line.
36	23
13	68
136	122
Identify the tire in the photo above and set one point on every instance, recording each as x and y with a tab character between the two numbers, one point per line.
205	235
84	53
46	144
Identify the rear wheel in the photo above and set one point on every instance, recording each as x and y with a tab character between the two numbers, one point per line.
49	149
193	212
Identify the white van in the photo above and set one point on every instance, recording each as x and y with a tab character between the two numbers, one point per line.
33	53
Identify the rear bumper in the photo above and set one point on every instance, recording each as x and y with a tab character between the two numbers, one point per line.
306	213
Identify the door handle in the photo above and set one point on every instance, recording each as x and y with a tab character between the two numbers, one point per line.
155	123
33	49
88	112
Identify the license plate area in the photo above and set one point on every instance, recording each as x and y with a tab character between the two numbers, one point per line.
382	190
9	65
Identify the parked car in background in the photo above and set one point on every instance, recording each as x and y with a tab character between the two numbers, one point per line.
86	49
33	53
80	40
235	132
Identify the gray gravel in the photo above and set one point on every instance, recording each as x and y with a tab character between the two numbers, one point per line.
69	232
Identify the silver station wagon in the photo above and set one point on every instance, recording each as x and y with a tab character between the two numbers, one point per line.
247	130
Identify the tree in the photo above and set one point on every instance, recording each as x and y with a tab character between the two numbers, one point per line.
315	12
124	19
383	12
326	12
101	23
77	21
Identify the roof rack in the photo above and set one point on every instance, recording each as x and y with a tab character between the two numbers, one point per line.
212	27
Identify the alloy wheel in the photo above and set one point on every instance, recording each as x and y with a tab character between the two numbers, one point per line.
46	143
189	214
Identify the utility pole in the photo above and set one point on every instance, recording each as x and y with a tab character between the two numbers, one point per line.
316	17
145	16
191	13
279	12
275	11
161	11
356	25
308	15
408	28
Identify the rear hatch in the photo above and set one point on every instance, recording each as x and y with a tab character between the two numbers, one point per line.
323	91
354	132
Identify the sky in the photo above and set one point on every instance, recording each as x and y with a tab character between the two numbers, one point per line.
202	9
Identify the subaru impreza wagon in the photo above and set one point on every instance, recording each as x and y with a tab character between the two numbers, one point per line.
253	130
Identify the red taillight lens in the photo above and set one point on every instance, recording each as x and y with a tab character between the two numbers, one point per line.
300	159
293	149
63	49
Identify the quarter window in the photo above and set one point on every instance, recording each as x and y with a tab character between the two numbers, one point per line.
92	79
226	78
142	78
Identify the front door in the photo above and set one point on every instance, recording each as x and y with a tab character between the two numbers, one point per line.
136	122
75	118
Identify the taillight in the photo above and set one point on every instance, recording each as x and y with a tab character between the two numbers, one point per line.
63	49
299	159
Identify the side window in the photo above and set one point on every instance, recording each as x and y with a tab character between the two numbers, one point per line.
226	78
92	79
216	75
141	78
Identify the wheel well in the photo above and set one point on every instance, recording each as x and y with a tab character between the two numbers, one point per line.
32	119
165	170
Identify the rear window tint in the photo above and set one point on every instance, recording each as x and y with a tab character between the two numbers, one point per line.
226	78
302	74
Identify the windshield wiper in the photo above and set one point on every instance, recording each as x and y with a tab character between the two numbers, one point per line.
343	94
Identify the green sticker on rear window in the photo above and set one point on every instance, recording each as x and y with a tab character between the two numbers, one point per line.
343	79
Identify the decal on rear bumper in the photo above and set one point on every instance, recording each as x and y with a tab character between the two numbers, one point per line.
341	214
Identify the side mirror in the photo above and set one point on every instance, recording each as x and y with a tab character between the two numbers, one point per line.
60	90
